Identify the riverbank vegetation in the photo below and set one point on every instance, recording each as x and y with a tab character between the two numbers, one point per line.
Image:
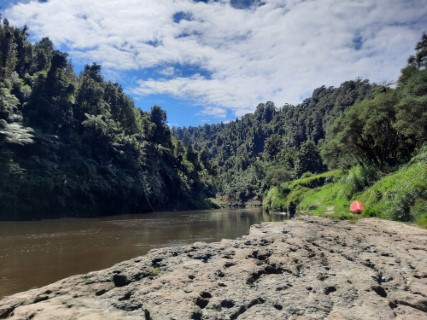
359	140
380	146
272	145
77	145
400	195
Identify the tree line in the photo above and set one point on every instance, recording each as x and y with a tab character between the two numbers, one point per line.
249	155
77	145
357	123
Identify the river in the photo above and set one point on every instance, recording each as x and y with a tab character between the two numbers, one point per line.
36	253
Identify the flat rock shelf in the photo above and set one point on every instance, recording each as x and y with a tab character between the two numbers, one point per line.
301	269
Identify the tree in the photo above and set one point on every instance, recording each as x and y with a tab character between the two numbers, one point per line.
411	116
42	56
122	108
308	159
365	134
277	174
8	51
78	145
420	58
161	133
50	107
273	145
90	94
15	133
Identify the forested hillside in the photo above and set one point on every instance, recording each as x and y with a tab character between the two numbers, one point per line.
364	130
378	148
271	145
76	144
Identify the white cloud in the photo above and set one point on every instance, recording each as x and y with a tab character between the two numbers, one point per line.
167	72
214	111
279	51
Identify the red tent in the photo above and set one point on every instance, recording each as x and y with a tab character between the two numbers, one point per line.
356	207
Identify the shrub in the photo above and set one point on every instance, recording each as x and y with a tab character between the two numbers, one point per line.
399	196
357	179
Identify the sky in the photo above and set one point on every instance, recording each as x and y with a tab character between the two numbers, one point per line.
206	61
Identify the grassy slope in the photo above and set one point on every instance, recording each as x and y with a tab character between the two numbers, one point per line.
401	195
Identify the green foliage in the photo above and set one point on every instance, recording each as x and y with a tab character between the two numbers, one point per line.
325	201
215	203
9	39
399	196
308	159
15	133
383	131
77	145
160	133
276	174
379	135
365	135
272	145
412	109
275	199
356	180
296	192
420	58
313	181
42	56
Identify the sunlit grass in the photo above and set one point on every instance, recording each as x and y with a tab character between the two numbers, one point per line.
401	195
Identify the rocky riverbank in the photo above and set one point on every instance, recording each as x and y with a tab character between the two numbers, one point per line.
312	269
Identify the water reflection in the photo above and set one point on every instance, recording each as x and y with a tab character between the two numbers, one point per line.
36	253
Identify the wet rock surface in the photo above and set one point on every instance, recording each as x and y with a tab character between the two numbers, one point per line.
311	269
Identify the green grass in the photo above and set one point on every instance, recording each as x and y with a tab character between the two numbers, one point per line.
215	203
316	180
280	198
401	195
333	199
275	200
325	201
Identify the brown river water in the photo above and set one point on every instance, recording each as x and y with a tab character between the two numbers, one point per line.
36	253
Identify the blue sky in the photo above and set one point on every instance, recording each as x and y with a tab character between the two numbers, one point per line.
208	61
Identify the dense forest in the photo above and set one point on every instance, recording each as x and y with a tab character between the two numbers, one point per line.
371	138
77	145
272	145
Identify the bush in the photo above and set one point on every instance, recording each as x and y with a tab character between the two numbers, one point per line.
399	196
357	179
276	199
313	181
287	195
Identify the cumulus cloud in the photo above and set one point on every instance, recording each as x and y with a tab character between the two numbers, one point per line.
250	51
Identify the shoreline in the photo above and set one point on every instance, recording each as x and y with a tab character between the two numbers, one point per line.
311	269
